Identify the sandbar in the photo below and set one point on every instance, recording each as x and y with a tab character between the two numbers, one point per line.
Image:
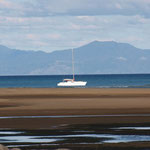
72	101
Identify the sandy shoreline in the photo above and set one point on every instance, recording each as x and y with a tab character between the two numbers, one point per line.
70	101
67	101
41	101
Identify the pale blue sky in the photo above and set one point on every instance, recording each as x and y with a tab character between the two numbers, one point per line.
61	24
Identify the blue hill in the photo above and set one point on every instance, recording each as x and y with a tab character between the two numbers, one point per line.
93	58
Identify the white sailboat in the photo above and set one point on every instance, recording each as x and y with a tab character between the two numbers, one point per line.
72	82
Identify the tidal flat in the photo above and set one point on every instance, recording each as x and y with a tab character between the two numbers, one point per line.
77	119
114	136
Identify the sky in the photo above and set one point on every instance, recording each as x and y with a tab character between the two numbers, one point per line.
50	25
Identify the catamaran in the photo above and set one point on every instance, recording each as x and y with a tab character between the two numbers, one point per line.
72	82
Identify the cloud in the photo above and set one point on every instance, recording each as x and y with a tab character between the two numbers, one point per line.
63	24
121	58
40	8
86	18
75	26
31	37
6	4
83	27
118	6
143	58
65	32
130	39
54	36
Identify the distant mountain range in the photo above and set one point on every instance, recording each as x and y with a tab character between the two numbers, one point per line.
93	58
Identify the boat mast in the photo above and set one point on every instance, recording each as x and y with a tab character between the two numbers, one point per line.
73	65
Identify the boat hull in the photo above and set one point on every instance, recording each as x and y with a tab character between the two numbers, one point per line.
72	84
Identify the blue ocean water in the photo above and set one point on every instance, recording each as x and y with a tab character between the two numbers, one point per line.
97	81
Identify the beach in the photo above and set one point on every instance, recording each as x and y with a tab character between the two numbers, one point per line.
72	101
51	118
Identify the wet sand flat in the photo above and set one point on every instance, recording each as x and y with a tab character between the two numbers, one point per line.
71	101
123	107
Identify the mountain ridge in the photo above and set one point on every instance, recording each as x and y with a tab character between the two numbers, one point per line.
97	57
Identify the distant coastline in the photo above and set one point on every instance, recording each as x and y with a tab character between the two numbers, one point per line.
93	58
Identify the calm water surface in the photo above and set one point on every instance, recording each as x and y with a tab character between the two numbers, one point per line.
76	134
98	81
15	138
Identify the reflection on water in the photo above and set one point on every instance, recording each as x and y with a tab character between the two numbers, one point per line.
133	128
80	135
10	132
48	139
77	116
128	138
25	137
76	134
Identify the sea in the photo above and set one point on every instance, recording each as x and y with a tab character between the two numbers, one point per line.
93	81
